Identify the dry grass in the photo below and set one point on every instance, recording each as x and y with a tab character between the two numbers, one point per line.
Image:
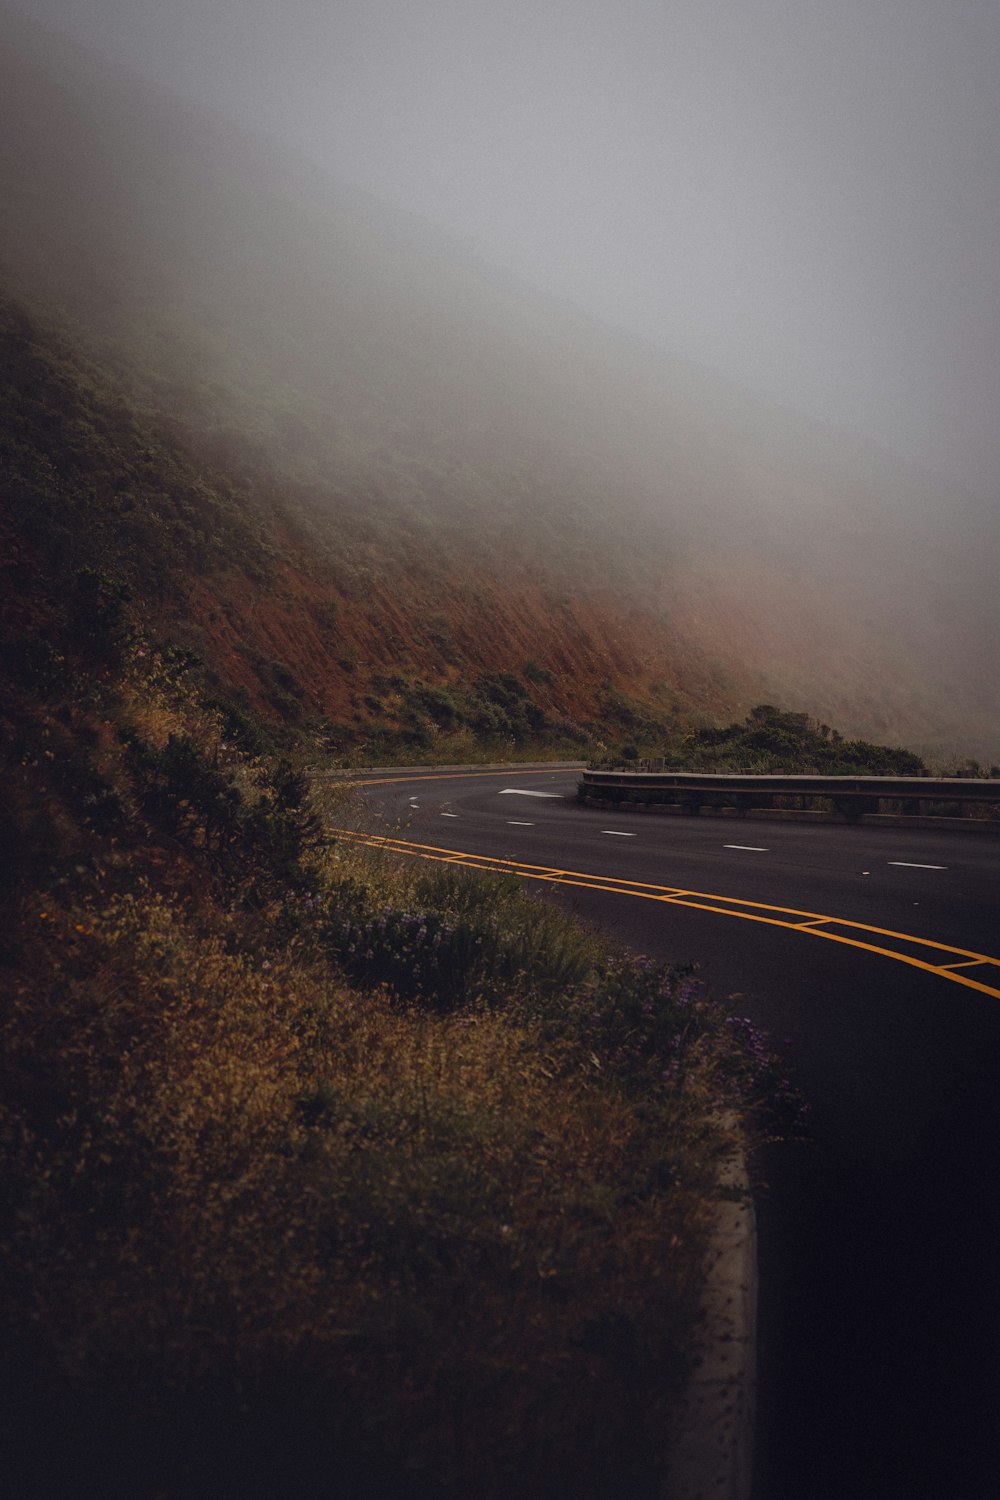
322	1172
471	1256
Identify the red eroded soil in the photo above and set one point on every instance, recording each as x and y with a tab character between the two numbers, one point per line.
727	632
334	644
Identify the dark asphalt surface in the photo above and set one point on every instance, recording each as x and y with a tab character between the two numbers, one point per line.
879	1339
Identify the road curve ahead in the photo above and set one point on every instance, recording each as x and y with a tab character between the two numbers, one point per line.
872	958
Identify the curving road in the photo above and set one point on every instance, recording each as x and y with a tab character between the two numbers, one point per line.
872	958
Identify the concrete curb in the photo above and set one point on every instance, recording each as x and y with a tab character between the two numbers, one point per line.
713	1457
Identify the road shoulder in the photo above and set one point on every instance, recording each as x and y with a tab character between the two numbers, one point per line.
714	1451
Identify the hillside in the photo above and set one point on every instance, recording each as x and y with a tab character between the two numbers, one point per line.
433	506
320	1175
224	569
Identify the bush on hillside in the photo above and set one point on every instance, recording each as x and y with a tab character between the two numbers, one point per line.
771	739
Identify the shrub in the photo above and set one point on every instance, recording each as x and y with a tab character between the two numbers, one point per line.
771	739
536	673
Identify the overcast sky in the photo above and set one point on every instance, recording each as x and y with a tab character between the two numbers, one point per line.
803	194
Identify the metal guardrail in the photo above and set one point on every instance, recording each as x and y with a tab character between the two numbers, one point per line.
868	789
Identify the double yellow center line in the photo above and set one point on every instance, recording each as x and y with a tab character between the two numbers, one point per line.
959	965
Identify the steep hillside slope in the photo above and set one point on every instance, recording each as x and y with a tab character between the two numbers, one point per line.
351	649
449	475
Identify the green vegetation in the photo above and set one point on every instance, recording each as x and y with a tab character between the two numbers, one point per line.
481	717
771	739
319	1171
536	673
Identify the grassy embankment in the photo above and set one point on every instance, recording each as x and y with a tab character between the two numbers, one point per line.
317	1169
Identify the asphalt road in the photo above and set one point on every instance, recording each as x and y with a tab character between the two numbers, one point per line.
880	1234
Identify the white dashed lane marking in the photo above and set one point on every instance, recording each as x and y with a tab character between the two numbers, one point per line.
449	815
909	865
519	823
753	848
616	834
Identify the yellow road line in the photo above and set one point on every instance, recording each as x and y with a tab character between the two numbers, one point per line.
812	924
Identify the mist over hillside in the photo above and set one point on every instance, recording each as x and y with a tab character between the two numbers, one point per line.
450	473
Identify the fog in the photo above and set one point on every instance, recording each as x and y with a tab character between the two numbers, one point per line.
802	196
436	406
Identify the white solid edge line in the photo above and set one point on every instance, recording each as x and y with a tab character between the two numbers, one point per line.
911	865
